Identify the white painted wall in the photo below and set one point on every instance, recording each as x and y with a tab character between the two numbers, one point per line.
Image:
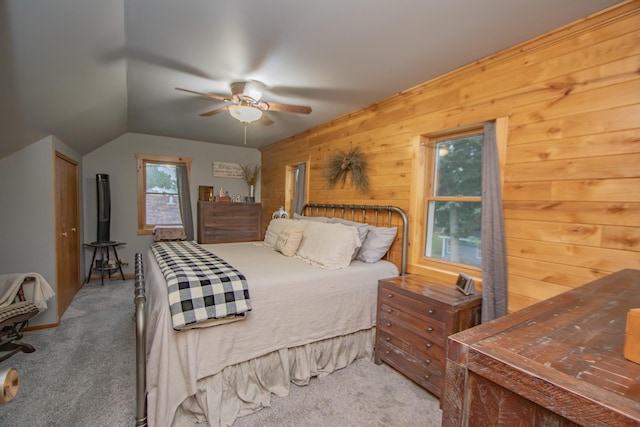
117	158
27	215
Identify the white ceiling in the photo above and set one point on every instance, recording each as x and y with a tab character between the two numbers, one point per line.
88	71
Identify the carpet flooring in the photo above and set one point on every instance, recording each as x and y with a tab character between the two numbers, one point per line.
83	374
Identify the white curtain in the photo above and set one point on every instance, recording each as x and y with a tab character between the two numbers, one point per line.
494	254
184	195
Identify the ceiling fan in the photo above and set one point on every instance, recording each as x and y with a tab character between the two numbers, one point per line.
245	103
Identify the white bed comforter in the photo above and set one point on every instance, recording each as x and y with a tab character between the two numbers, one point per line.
293	304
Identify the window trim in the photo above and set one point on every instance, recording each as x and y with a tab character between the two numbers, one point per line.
141	161
429	143
418	264
291	171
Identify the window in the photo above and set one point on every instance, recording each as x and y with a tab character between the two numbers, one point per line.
453	198
158	194
296	187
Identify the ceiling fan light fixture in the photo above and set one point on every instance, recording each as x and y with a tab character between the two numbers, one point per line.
245	113
252	89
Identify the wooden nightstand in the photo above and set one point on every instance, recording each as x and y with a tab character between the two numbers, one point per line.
416	314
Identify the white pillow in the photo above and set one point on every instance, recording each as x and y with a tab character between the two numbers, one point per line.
363	230
328	245
379	240
288	241
275	227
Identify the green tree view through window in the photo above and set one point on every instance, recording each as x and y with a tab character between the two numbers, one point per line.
454	205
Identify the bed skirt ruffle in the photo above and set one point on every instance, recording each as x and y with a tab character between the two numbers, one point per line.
245	388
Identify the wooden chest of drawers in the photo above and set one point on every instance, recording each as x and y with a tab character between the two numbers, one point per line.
415	316
220	222
556	363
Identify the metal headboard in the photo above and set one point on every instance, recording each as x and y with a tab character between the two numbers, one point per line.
322	209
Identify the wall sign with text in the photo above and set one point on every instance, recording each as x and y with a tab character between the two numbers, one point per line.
227	170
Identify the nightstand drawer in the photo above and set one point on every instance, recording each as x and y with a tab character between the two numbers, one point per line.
429	331
412	367
391	296
431	357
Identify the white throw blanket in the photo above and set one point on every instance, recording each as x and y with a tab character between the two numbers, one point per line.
36	289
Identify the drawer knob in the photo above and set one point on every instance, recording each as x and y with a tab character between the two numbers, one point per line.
389	324
426	377
389	310
428	345
427	361
387	339
429	329
387	352
431	311
389	295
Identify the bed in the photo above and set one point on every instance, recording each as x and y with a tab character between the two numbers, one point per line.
305	320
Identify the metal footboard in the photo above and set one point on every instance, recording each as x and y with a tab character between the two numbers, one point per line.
141	343
333	210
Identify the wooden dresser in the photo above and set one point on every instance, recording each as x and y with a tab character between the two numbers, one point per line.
556	363
415	316
220	222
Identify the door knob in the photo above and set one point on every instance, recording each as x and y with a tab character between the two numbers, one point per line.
73	229
64	234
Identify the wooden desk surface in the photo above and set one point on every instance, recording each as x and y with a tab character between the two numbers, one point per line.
564	354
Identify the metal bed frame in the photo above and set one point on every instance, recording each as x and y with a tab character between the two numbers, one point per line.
141	343
141	300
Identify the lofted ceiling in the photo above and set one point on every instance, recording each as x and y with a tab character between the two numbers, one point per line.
87	71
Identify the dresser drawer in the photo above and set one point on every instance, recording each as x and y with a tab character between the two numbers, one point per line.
233	213
429	311
227	234
412	367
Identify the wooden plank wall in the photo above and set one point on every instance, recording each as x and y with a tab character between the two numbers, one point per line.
571	187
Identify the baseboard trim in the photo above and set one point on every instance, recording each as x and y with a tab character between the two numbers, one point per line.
46	326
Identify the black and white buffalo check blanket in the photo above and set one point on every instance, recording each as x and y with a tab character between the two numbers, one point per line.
202	286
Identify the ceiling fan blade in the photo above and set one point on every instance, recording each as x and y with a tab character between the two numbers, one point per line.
265	120
140	55
301	109
214	112
207	95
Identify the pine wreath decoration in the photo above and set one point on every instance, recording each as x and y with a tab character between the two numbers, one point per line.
342	163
